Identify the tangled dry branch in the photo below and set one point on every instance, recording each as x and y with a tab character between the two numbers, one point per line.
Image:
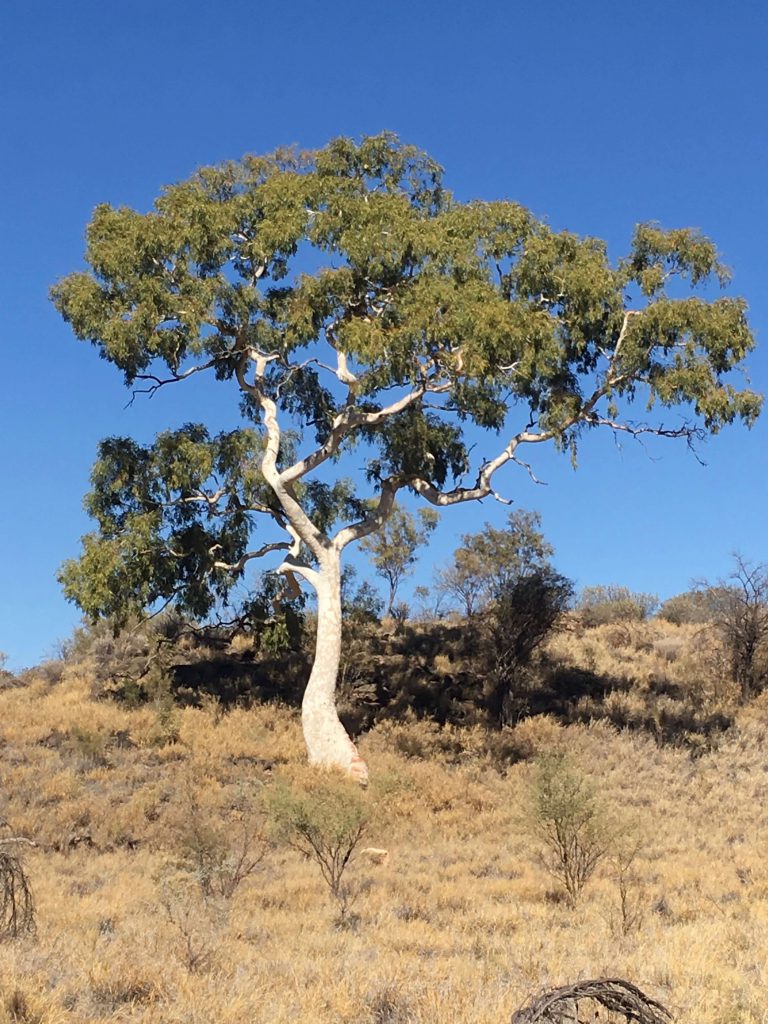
17	908
562	1005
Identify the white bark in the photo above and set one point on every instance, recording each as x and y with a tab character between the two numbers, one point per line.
328	744
327	741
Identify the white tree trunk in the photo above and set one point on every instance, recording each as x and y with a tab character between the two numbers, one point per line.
327	741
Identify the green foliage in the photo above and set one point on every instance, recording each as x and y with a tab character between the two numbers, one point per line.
275	620
488	563
325	823
126	659
166	728
422	315
89	745
393	548
601	605
161	536
567	819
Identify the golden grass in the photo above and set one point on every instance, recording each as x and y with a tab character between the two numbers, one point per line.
458	927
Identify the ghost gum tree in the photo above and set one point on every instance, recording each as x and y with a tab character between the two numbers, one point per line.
347	299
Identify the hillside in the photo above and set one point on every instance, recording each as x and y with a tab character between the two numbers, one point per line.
130	807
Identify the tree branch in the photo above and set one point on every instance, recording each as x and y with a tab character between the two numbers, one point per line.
376	517
239	565
292	566
160	382
483	486
351	418
212	500
620	341
691	433
304	528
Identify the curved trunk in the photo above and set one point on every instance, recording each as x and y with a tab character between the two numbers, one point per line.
327	741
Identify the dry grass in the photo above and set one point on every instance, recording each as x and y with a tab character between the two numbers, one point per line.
459	926
671	681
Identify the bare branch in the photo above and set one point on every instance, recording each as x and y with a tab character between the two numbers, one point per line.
343	372
262	360
614	995
529	469
160	382
483	485
622	335
240	564
17	841
211	500
153	615
292	566
691	433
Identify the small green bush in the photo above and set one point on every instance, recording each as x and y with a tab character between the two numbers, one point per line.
89	745
326	823
566	818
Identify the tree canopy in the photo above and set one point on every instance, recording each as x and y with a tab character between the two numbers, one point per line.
469	309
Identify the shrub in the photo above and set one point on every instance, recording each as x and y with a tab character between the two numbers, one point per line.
198	937
669	648
219	851
566	818
127	663
740	614
400	613
631	909
359	603
50	672
692	607
7	679
89	745
522	616
532	736
325	822
601	605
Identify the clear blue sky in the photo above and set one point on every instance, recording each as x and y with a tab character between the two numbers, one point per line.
595	114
